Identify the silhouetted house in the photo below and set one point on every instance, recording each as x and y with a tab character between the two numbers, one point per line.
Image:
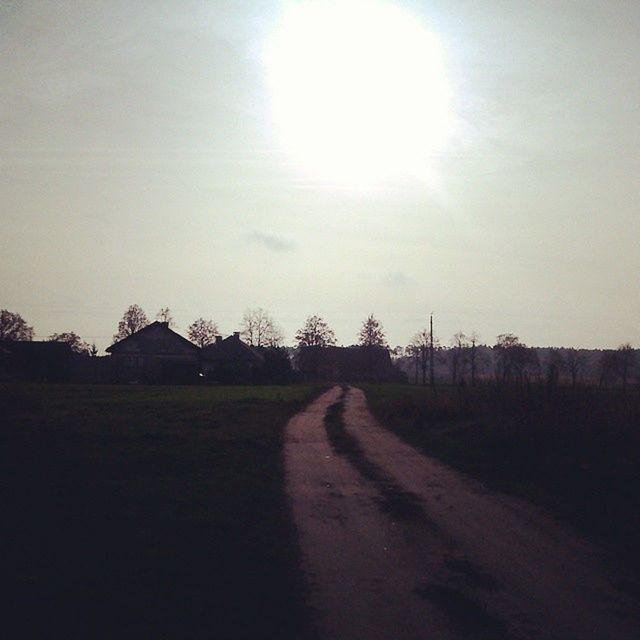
156	354
36	361
4	361
231	361
91	369
347	364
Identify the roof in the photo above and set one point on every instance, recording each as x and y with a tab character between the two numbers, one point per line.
156	337
232	349
351	363
31	348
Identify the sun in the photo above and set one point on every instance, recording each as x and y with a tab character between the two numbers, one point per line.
359	91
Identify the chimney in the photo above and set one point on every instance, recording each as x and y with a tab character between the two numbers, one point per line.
236	335
218	339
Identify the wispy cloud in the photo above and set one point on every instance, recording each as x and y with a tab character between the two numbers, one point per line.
273	243
397	279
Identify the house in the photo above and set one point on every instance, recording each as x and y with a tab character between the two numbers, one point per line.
347	364
232	361
155	354
33	361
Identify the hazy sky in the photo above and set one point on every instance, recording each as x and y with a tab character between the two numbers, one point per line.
140	163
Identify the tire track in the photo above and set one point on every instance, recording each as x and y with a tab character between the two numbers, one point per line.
454	578
397	546
363	584
507	569
399	504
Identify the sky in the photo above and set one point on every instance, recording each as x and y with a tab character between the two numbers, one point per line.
142	161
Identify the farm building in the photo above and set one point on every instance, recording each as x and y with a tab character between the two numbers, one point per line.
232	361
155	354
36	361
347	364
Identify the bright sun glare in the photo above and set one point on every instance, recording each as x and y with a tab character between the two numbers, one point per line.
359	91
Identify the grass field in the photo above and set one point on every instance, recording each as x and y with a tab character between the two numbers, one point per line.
148	512
575	451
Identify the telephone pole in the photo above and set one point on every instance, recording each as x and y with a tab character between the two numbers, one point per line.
432	378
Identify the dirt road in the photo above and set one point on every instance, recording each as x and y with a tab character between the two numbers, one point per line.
397	546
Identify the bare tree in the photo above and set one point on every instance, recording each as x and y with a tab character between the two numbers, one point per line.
165	315
315	333
274	336
419	350
202	332
574	362
13	327
260	330
77	344
555	365
457	360
609	368
133	320
627	357
372	333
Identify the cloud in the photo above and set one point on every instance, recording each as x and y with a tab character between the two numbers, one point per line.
397	279
273	243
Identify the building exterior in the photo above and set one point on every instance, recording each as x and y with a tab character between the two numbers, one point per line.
347	364
156	354
33	361
232	361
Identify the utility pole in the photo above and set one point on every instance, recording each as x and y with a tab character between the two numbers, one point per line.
432	379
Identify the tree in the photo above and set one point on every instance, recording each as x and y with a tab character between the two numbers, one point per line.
574	362
77	344
165	315
372	333
513	357
397	352
505	342
260	330
202	332
555	365
315	333
419	349
609	368
13	327
459	344
133	320
627	357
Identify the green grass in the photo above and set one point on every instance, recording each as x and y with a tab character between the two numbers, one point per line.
573	451
148	512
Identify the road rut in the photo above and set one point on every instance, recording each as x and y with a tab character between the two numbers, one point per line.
396	545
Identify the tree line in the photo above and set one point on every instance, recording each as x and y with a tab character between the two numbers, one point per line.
258	329
465	356
509	360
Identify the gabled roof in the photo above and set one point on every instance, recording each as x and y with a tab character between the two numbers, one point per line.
152	339
232	349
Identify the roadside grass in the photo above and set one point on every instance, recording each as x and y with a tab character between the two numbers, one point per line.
574	451
148	512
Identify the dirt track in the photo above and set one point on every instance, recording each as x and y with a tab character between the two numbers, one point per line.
397	546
